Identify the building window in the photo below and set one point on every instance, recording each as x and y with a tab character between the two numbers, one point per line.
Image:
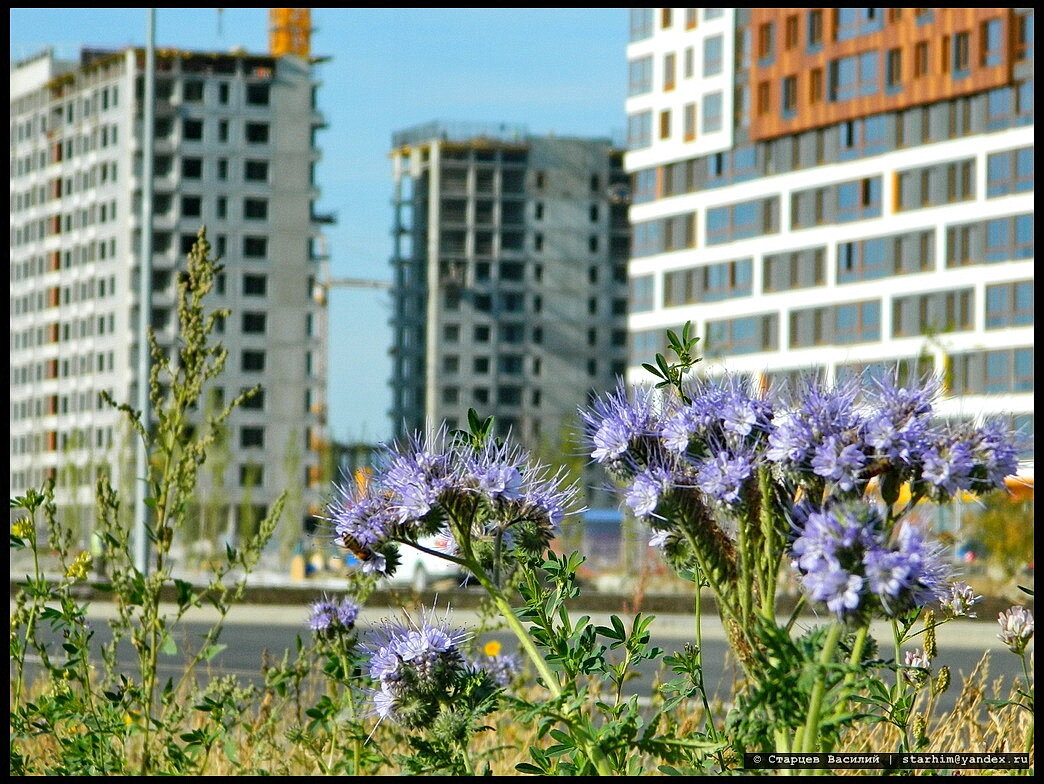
640	79
255	171
191	130
253	361
639	130
255	209
251	437
894	70
712	56
255	247
255	285
941	311
859	199
789	96
743	335
665	17
688	67
857	322
480	365
256	133
993	372
854	22
451	364
191	206
641	295
1009	172
1008	239
257	94
1009	305
766	47
668	71
1024	36
641	26
251	475
794	270
961	54
992	44
921	59
712	112
254	323
864	260
690	18
764	98
815	86
688	125
815	30
790	38
665	124
191	168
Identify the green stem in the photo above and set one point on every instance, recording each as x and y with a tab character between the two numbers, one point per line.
826	656
698	612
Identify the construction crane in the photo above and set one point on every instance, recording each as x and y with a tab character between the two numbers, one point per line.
290	31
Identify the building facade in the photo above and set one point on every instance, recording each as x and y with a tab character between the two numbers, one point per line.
510	286
838	189
234	150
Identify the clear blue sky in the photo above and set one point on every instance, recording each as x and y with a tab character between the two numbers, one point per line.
553	70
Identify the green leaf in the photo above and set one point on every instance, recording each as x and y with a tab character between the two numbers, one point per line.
168	646
213	651
652	370
185	595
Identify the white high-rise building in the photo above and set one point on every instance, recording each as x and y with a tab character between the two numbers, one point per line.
839	189
234	150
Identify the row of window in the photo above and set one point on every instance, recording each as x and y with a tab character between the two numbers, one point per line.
996	240
90	326
81	365
515	302
1007	305
836	203
997	109
87	290
482	180
74	256
640	70
643	20
192	130
36	230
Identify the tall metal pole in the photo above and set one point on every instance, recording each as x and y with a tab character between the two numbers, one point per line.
141	538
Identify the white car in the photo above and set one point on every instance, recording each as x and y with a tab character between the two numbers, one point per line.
418	569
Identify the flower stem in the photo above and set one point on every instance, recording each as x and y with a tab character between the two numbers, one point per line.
826	656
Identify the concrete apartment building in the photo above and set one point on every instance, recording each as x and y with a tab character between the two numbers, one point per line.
235	149
510	283
841	189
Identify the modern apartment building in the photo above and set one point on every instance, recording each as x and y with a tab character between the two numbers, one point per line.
510	284
235	149
840	189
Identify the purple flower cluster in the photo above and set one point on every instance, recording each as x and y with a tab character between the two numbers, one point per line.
416	665
330	618
431	478
709	443
847	563
829	440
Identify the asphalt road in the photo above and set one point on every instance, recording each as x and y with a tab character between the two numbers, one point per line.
251	630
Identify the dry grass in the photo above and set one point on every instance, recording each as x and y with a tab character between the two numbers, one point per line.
262	744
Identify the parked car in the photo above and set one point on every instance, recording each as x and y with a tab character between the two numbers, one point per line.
418	569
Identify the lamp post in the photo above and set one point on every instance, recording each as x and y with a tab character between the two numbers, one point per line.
141	538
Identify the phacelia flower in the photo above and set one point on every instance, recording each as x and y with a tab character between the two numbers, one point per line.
330	618
620	425
846	563
722	477
1016	629
416	666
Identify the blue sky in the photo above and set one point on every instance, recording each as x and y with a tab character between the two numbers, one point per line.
553	70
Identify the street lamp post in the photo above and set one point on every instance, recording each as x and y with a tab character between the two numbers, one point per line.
141	538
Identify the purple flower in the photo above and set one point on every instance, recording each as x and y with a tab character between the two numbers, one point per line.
617	424
838	462
330	618
416	665
947	465
846	563
324	616
646	489
722	476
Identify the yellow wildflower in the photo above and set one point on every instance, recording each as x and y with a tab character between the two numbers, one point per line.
23	529
491	648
